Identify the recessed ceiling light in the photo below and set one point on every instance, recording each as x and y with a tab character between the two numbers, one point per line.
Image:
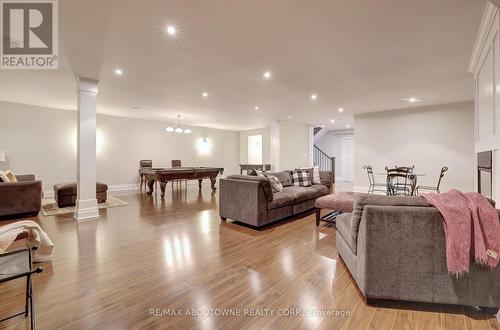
314	97
411	99
341	110
347	126
256	107
118	72
267	75
289	117
205	94
332	121
171	30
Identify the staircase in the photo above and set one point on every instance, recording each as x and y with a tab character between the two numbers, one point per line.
321	159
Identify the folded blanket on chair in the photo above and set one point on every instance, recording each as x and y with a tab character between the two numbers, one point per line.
471	228
35	237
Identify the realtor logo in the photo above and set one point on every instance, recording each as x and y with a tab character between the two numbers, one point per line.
29	34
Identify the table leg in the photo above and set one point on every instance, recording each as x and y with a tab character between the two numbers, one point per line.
162	188
199	183
151	184
213	181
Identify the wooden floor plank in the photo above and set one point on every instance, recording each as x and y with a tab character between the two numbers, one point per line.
384	316
156	254
453	317
407	316
429	316
475	319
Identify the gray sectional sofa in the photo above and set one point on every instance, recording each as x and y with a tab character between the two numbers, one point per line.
250	199
394	247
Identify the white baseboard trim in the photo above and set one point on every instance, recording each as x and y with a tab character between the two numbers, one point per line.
86	209
123	187
360	189
116	187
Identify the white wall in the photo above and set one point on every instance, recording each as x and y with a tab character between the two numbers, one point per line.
295	145
427	137
331	144
266	147
43	142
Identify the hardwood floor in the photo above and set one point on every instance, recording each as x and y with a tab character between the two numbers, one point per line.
155	256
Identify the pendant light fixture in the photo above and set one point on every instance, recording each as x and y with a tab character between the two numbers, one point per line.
178	129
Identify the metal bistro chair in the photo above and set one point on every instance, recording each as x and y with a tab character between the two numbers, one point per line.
374	185
401	181
410	169
15	265
444	169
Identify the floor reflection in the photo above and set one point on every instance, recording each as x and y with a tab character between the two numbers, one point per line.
177	251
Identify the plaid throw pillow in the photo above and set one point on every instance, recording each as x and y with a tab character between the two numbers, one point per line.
301	178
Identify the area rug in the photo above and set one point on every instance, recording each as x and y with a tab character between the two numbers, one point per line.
49	206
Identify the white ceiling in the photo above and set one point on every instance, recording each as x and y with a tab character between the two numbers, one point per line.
361	55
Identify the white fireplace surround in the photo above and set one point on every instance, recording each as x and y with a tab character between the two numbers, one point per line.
485	65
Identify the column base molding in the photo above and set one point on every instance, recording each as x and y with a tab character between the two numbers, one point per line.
86	209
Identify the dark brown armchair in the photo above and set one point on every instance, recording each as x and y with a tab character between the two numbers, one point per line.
21	198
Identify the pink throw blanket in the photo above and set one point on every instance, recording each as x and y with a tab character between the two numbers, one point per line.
471	228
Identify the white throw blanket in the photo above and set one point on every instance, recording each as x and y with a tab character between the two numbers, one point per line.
36	237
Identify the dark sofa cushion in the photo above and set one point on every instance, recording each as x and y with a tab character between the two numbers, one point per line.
300	193
284	177
280	199
321	190
266	184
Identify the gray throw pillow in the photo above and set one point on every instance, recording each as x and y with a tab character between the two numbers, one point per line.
275	183
284	177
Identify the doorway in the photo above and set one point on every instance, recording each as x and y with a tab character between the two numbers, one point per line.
255	149
347	162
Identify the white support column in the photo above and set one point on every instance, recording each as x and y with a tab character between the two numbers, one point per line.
311	146
86	203
275	146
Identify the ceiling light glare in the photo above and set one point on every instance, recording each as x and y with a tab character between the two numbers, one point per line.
171	30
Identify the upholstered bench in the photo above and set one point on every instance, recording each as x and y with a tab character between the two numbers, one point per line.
65	193
342	202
